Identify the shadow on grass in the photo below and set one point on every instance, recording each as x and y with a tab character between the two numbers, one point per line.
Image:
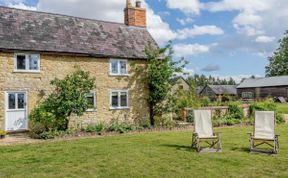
180	147
241	149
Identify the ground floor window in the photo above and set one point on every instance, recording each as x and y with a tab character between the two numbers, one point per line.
91	99
119	99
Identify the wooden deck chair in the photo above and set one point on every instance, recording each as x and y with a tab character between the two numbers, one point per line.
264	132
203	133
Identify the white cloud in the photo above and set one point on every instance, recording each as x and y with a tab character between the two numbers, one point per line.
22	6
199	30
264	39
184	50
231	5
159	29
187	6
184	21
258	23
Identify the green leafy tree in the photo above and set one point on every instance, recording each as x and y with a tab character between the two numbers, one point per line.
278	62
160	69
69	97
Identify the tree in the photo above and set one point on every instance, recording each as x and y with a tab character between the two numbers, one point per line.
160	69
278	62
203	80
69	97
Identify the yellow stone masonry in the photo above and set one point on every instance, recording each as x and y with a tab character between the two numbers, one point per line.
38	85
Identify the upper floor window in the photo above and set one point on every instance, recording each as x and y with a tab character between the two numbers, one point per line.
118	67
27	62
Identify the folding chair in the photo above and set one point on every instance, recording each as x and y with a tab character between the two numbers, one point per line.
203	133
264	133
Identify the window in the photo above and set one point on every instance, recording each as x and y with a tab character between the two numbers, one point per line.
247	95
118	67
119	99
91	98
27	62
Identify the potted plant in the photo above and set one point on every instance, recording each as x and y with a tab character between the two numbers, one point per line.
2	134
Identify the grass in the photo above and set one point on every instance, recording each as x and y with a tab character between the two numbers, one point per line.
282	108
166	154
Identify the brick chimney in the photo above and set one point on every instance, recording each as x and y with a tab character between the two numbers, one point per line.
135	16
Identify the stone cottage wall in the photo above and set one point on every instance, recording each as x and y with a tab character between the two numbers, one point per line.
38	85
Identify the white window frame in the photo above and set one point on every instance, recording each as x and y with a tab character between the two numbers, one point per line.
119	99
119	67
94	103
26	63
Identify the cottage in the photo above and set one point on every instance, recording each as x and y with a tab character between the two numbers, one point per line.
262	88
218	92
179	83
36	47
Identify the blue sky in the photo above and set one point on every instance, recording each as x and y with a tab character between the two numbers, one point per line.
218	37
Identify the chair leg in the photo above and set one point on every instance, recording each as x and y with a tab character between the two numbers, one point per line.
193	141
251	143
276	145
198	148
220	144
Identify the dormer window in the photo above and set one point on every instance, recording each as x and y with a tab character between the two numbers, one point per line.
118	67
27	63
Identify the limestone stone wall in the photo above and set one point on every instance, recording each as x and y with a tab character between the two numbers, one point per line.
38	85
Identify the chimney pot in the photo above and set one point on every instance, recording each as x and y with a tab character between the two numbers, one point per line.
138	3
135	16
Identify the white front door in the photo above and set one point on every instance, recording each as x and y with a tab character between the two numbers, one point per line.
16	111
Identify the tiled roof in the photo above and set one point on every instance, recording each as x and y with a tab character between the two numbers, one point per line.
222	89
45	32
264	82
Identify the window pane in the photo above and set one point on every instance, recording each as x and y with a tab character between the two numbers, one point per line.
33	62
124	99
114	67
114	99
90	100
11	101
123	67
21	62
21	101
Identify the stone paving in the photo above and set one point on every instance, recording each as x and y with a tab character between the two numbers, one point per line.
17	139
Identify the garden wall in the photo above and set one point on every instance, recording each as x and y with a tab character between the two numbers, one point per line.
224	109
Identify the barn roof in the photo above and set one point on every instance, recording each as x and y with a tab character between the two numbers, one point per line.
264	82
38	31
222	89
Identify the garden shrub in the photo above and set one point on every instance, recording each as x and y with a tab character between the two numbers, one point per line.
2	133
143	123
162	121
235	111
99	127
42	116
234	116
36	130
205	101
267	105
121	127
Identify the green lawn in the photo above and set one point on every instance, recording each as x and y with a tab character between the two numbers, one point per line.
165	154
282	108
